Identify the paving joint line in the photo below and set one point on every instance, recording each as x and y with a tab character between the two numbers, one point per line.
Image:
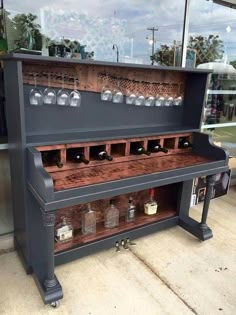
148	266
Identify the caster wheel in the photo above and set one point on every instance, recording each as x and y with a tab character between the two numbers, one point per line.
55	304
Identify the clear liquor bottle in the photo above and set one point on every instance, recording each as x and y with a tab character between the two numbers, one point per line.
89	221
64	231
111	219
130	212
150	207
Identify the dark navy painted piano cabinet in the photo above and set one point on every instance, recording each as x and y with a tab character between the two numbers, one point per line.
43	193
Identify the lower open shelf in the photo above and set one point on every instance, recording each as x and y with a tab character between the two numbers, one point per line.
167	200
102	232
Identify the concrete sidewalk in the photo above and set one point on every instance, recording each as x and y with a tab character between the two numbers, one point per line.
169	272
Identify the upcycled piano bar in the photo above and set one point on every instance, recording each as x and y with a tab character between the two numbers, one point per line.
102	154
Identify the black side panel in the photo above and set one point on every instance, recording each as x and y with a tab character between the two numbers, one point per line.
203	145
16	138
194	99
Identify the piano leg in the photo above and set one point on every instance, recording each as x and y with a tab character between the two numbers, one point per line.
200	230
206	231
48	285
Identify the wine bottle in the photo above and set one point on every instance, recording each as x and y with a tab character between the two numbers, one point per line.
78	157
156	147
52	158
130	212
150	207
103	155
111	218
138	149
184	143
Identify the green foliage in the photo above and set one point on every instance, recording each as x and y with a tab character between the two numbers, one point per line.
207	49
27	31
164	55
233	63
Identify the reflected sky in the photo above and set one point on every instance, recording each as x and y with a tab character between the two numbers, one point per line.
100	23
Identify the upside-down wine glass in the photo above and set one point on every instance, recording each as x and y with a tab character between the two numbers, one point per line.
35	95
62	95
49	94
117	93
140	99
130	96
106	93
150	99
75	96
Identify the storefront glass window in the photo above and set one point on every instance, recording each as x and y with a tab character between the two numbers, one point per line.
102	30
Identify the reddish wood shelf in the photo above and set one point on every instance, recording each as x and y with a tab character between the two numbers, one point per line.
102	232
115	171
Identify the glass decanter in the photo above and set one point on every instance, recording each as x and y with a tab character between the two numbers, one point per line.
88	221
130	211
150	207
64	231
111	218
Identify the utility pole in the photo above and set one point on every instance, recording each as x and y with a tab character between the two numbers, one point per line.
153	30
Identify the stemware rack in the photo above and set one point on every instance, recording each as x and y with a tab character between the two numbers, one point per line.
44	193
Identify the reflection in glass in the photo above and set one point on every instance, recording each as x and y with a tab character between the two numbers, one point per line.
35	95
49	94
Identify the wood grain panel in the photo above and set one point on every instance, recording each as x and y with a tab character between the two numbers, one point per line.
109	172
94	77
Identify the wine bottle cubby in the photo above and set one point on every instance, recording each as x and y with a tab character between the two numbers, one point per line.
120	151
119	132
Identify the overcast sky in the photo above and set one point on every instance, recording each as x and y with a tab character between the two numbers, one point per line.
89	20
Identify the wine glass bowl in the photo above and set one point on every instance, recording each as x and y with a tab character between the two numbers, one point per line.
169	101
159	101
63	97
130	98
49	96
117	96
140	100
35	97
106	94
75	99
150	101
178	101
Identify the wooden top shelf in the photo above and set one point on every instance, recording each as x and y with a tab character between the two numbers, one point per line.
116	171
102	232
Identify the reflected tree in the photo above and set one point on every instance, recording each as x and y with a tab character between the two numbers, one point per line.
27	31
